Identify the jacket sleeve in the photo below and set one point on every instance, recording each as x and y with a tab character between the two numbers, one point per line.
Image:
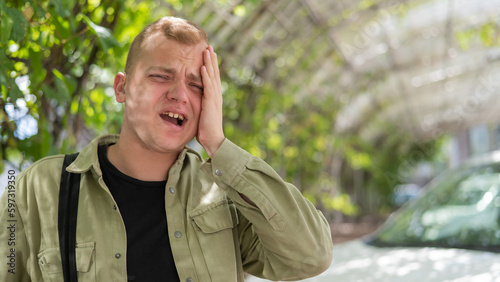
13	243
284	237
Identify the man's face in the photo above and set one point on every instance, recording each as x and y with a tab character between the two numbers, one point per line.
163	95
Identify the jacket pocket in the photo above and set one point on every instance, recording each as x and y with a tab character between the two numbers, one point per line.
215	217
213	225
49	261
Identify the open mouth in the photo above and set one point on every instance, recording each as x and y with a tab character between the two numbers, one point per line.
174	118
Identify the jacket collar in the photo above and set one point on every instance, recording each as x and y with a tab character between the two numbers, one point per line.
88	155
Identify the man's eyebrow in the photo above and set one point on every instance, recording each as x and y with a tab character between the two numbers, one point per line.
194	77
160	68
190	76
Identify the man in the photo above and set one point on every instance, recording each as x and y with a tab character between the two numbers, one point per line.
150	209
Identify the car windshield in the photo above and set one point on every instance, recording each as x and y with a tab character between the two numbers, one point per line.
460	210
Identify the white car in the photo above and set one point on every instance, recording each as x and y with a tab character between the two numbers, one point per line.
449	233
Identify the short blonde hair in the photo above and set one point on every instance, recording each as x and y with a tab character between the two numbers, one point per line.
178	29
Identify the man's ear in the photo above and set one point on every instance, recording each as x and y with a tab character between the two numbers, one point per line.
119	86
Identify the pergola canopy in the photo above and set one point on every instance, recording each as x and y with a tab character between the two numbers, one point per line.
424	67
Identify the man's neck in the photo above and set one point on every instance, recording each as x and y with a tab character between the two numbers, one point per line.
139	162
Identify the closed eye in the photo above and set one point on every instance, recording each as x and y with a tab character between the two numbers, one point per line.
198	88
159	77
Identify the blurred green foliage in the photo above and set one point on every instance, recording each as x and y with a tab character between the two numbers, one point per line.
57	64
65	52
484	33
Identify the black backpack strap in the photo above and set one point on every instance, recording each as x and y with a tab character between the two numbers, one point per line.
68	210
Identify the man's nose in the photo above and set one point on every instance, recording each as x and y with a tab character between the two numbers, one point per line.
178	93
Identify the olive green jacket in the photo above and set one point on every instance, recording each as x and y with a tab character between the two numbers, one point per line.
214	234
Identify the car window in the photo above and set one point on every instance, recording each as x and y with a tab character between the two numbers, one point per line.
460	210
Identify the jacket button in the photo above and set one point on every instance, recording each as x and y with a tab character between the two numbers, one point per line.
189	279
171	189
177	234
114	207
218	172
118	255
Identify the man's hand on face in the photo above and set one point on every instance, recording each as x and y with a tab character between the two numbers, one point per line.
210	131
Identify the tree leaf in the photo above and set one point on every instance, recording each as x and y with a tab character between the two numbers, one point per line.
62	92
38	73
59	8
6	26
18	30
106	38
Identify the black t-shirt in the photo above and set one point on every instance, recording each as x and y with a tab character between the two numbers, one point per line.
142	207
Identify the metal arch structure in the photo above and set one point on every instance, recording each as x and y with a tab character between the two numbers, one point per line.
387	62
